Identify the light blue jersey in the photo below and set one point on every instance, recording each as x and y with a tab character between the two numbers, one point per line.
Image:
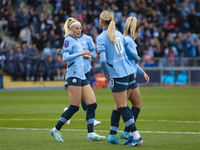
133	45
117	61
87	44
72	54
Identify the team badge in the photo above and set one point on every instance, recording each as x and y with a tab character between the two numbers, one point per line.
112	83
74	80
66	44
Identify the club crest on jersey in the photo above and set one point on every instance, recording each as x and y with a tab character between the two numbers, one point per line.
74	80
66	44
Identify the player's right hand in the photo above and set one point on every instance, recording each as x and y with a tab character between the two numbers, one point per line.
58	51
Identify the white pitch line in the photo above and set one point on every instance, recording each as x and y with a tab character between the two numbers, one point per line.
78	130
104	120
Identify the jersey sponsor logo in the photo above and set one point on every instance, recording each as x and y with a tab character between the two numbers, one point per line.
84	42
66	44
74	80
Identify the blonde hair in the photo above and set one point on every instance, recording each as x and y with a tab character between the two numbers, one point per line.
68	24
108	17
131	26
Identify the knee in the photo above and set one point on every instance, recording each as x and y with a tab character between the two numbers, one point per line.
139	106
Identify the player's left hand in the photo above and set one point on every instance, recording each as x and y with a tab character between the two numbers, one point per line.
146	77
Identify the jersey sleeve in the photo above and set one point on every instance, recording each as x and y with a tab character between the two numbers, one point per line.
91	44
125	41
67	46
100	45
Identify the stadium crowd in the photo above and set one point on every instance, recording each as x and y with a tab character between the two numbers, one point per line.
169	29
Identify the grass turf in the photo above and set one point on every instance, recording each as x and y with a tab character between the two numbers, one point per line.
170	119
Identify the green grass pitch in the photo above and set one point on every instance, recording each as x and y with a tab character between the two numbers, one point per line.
169	119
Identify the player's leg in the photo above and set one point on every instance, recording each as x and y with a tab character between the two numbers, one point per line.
115	118
84	106
89	98
74	94
121	101
135	98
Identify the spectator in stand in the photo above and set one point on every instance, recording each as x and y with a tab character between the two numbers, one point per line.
32	56
60	69
51	39
172	26
13	29
171	58
36	40
32	31
49	68
24	49
150	51
191	48
44	40
19	58
22	18
11	64
33	16
179	47
48	6
148	61
25	35
41	68
5	49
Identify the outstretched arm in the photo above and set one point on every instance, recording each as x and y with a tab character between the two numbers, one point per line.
67	56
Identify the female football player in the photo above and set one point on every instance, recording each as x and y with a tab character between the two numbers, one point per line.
78	86
112	47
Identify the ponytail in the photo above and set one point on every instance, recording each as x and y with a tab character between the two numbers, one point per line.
108	17
131	26
111	32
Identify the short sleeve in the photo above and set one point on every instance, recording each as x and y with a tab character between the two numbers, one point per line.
100	45
125	42
91	44
67	46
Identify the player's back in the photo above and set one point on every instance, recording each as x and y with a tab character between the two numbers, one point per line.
117	61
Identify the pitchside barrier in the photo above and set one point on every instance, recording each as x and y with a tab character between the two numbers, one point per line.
171	76
1	80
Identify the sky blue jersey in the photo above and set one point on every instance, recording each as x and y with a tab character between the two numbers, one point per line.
118	65
75	65
133	45
87	44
